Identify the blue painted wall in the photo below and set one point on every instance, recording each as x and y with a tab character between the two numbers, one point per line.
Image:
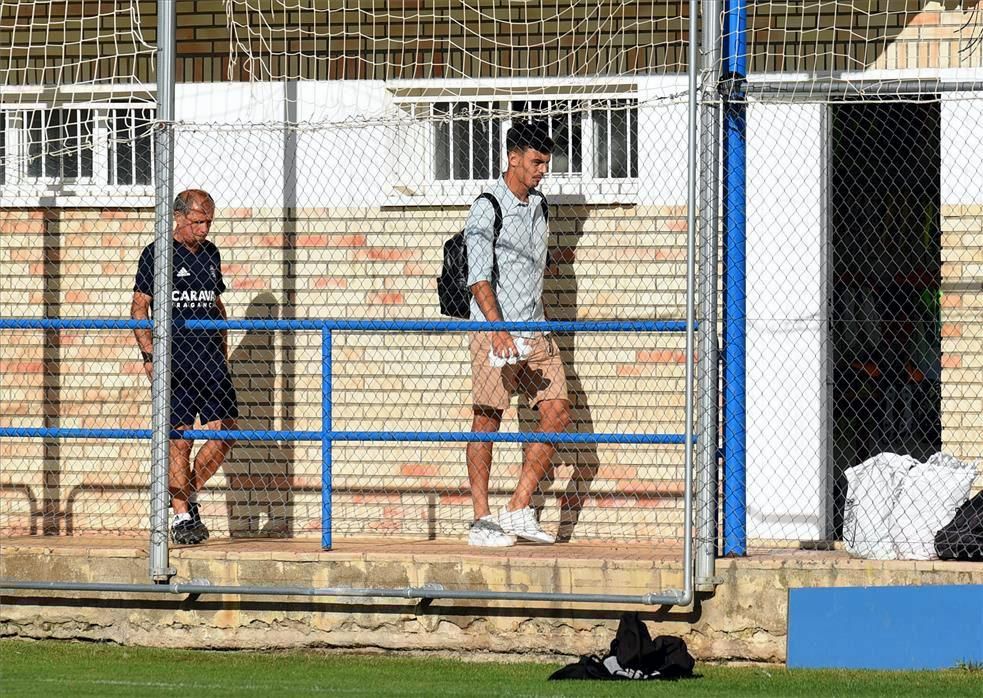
915	627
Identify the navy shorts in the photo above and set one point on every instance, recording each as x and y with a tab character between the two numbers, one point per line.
201	389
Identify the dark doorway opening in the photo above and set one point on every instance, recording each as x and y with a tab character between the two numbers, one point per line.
884	285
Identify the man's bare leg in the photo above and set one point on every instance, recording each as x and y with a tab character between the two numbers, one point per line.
479	456
554	417
212	454
179	473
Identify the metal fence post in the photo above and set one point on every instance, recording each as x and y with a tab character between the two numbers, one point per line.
163	255
691	198
706	473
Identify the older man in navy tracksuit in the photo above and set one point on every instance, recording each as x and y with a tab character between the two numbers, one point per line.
201	384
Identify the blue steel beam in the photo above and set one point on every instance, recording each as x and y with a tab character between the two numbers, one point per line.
734	74
442	325
326	435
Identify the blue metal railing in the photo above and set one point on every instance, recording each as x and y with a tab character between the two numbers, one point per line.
518	437
327	436
22	323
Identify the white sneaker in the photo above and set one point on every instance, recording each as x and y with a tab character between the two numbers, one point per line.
522	523
487	533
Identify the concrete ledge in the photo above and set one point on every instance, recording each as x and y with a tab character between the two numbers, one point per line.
746	618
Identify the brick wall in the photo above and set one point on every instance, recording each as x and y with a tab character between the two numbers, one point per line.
621	262
345	263
962	331
792	36
412	39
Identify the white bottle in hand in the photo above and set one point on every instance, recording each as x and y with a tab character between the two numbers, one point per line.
521	343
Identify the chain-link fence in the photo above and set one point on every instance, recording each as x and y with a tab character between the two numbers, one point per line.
349	247
863	286
334	175
863	310
315	223
355	260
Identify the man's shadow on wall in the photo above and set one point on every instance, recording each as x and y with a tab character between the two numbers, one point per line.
560	303
259	474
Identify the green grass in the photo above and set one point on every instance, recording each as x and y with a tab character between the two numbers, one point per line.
63	668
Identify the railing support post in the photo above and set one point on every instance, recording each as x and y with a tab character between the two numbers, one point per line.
325	438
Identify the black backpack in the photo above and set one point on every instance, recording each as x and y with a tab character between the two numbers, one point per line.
452	284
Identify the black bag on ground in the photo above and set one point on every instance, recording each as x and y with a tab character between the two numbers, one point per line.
453	292
634	655
962	538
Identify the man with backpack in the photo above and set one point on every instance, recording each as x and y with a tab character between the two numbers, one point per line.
507	236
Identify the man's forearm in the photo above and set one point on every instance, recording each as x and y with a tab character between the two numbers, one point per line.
145	338
484	294
502	343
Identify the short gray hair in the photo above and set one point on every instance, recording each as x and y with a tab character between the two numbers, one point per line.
186	200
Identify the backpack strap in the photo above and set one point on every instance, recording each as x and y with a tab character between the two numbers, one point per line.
543	204
498	216
496	231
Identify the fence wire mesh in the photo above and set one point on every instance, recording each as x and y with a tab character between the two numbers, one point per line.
864	316
361	255
862	291
338	169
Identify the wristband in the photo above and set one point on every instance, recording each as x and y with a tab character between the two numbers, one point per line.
148	357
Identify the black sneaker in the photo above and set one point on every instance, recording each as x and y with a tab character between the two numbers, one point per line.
196	520
186	533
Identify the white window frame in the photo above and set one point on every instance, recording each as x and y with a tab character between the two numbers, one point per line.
415	101
20	189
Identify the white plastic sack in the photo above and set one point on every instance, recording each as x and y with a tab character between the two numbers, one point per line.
930	494
872	488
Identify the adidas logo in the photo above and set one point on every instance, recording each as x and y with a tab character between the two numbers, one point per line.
182	272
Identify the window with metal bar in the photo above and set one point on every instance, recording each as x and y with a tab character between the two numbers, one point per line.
109	150
564	121
615	124
468	137
130	146
60	144
467	140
